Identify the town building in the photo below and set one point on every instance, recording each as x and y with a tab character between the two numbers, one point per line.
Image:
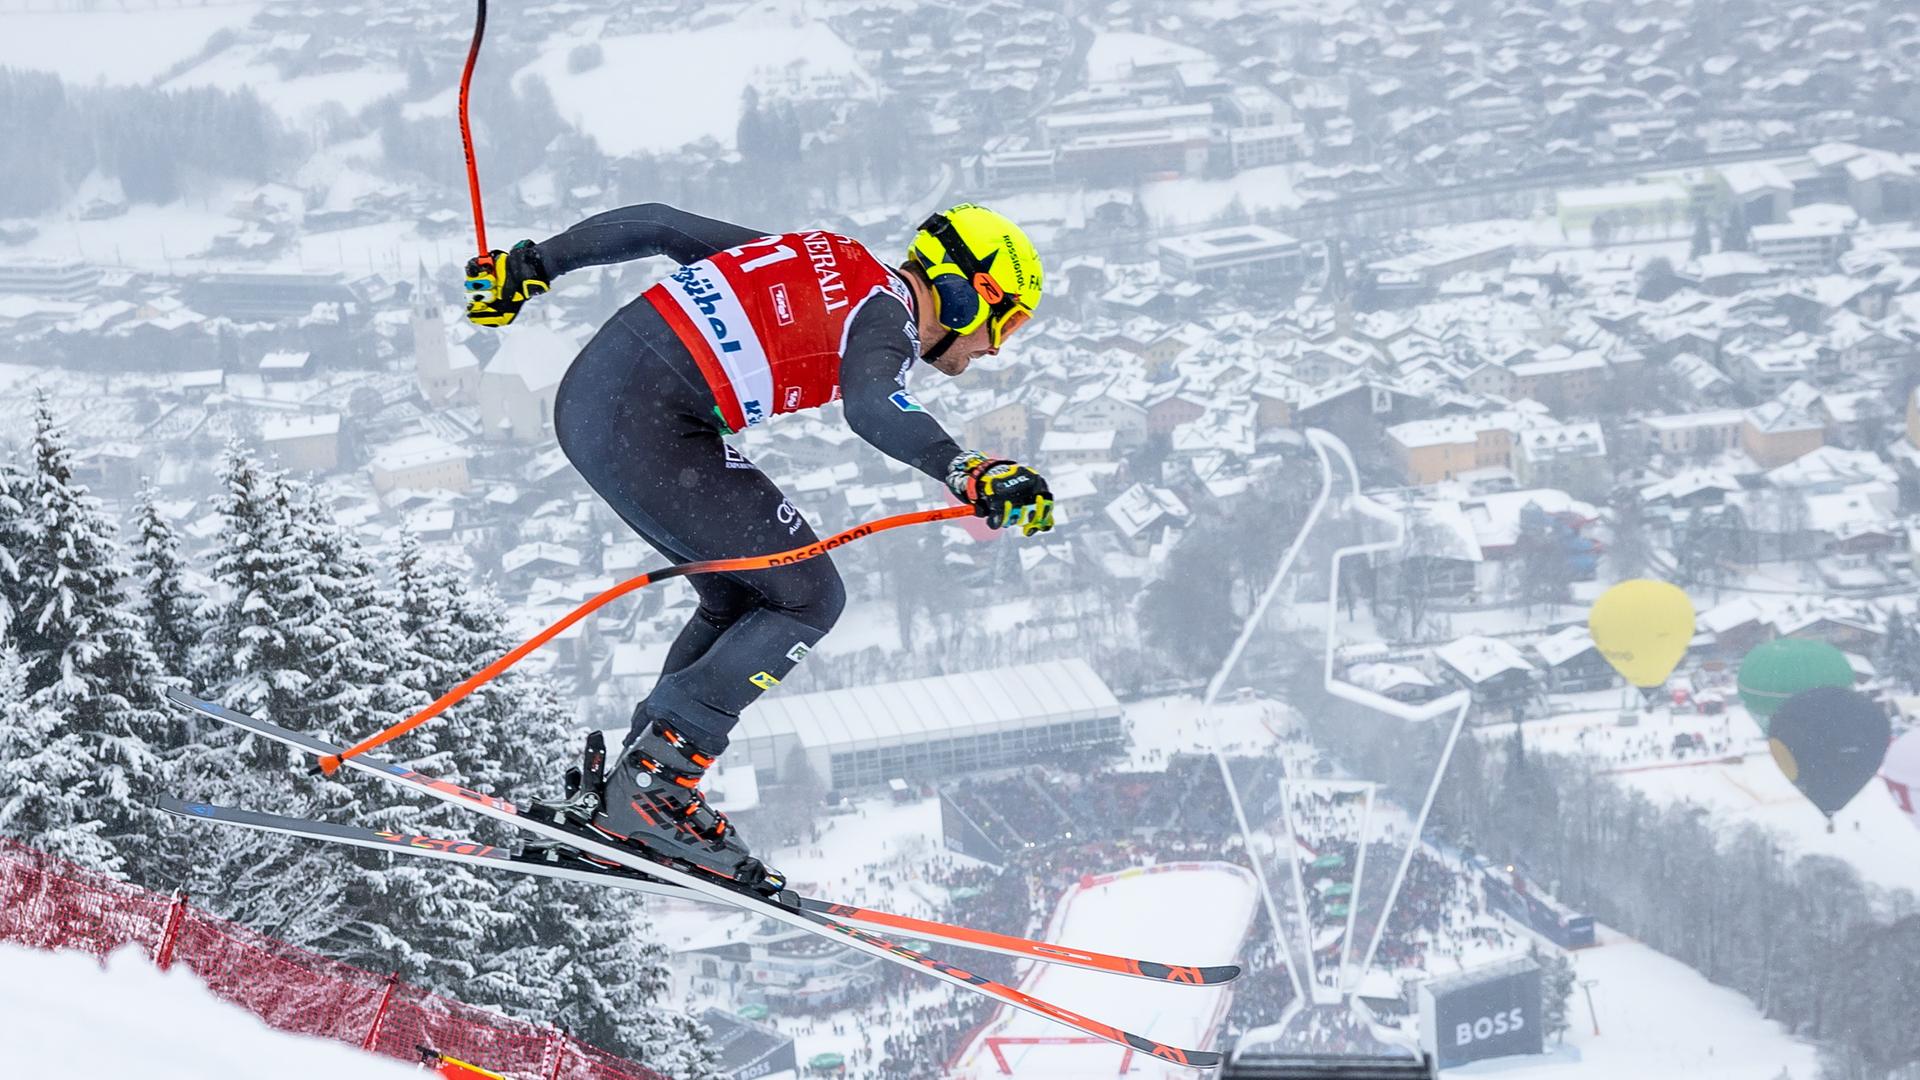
932	728
421	462
1237	253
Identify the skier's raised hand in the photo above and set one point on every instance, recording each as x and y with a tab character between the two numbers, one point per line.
1002	491
497	289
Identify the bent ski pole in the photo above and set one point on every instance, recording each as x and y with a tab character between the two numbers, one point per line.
466	133
331	762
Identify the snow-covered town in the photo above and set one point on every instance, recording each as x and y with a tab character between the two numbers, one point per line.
1469	623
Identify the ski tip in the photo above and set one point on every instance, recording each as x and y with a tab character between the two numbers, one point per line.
181	699
1186	974
1195	1059
168	804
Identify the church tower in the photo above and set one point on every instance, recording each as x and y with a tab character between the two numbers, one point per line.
447	374
429	341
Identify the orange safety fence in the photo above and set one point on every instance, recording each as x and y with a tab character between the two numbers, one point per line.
49	903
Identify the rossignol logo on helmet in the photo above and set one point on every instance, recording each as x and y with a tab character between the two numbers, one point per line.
1013	256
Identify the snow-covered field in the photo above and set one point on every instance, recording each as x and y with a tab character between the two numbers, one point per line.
624	102
63	1016
1658	1020
129	47
1870	834
1109	917
295	99
1738	781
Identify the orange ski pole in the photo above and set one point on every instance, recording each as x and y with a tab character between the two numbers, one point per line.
485	675
466	132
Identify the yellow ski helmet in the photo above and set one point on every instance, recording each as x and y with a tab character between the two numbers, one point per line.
982	268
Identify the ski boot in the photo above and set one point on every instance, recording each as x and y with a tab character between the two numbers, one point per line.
651	800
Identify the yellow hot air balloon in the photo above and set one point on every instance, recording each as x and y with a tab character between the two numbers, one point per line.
1642	627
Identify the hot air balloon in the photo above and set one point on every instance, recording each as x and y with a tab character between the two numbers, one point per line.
1642	627
1773	672
1901	771
1829	741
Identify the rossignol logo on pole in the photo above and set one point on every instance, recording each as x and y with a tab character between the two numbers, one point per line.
824	546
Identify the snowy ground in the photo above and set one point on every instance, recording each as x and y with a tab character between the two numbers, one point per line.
1117	56
1158	728
1737	781
1871	834
85	45
62	1015
1108	917
784	48
298	100
1658	1020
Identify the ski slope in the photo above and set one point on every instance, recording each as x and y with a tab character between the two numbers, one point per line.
1659	1020
63	1015
1738	782
1190	913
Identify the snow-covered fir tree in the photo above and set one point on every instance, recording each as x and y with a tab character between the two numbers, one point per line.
619	999
354	686
583	955
271	627
85	647
613	990
254	643
13	540
302	629
172	610
43	778
424	920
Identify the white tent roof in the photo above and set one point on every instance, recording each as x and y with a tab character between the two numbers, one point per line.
908	712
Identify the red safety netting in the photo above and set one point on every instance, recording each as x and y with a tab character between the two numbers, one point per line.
52	904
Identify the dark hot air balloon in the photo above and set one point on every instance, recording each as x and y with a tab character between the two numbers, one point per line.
1829	741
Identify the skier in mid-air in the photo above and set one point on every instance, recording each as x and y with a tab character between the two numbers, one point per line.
753	325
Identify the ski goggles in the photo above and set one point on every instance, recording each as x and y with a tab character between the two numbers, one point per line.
1005	312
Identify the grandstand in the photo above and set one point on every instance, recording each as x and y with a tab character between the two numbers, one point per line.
938	727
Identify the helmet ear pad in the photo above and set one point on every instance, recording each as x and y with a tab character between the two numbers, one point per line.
959	301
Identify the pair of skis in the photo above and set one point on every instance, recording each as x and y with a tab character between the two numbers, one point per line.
850	925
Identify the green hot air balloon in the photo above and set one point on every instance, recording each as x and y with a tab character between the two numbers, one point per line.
1773	672
1829	741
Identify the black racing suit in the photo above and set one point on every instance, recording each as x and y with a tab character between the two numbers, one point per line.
637	420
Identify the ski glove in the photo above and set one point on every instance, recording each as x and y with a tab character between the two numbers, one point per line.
497	289
1003	492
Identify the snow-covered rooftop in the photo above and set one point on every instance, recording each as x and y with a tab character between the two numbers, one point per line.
890	714
1479	659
